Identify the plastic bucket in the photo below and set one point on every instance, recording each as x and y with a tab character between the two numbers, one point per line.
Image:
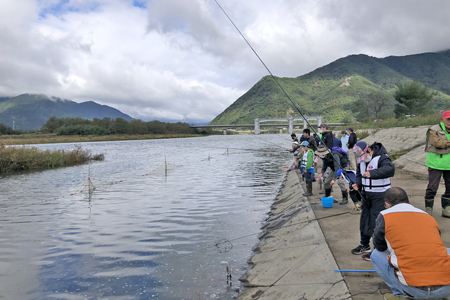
327	202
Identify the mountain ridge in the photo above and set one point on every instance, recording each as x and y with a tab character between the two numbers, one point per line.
332	89
31	111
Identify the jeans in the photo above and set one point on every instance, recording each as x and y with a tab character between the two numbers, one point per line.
386	272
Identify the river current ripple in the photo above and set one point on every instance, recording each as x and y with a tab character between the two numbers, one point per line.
142	234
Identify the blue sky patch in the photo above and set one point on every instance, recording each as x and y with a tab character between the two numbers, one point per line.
63	7
140	3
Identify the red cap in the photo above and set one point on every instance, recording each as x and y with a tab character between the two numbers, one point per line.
446	114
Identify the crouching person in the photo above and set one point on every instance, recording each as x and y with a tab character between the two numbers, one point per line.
349	176
307	167
409	254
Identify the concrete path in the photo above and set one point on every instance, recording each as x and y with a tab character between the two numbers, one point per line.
342	235
293	262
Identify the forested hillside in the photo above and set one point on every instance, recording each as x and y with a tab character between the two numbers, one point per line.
332	90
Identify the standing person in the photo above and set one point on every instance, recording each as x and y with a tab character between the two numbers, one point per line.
307	167
294	137
311	140
313	145
327	136
372	176
336	142
344	140
335	161
438	163
409	254
352	140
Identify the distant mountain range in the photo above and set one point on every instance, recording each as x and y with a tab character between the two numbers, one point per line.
331	90
31	111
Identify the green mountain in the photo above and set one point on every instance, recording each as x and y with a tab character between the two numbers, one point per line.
331	90
31	111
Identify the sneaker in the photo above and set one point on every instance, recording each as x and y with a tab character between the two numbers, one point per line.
366	257
361	249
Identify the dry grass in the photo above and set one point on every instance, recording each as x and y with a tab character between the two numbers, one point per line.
14	159
26	139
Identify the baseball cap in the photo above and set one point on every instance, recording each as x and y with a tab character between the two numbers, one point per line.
446	114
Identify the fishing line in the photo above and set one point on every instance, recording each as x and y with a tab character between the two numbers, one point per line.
259	232
287	96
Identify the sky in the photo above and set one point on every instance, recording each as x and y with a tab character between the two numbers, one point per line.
182	60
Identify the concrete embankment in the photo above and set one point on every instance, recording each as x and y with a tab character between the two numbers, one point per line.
302	242
293	260
400	139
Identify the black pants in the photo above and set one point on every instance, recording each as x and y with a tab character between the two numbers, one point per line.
371	206
308	177
434	177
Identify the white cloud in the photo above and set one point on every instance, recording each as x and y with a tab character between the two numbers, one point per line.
182	60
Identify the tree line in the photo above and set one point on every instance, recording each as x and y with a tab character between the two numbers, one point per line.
107	126
409	99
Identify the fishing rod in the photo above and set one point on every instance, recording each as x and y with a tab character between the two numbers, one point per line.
287	96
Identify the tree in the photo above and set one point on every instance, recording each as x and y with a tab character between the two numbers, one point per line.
52	125
374	105
412	99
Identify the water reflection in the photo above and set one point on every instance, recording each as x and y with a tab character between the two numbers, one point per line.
142	234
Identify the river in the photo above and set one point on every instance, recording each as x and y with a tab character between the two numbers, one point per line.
145	232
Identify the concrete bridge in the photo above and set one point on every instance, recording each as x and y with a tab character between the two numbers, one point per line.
261	123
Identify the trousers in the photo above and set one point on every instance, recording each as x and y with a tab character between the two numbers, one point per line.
387	273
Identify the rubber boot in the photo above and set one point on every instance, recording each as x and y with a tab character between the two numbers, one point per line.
429	206
445	207
344	198
308	190
327	192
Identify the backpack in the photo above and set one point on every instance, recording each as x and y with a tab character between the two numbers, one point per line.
340	150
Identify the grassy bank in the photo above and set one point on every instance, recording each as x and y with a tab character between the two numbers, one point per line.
50	138
24	158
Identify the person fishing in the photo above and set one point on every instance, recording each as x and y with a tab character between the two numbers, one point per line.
307	167
372	180
335	161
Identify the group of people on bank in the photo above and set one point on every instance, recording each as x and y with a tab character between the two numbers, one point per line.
409	253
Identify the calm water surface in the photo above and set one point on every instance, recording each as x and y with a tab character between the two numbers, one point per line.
142	234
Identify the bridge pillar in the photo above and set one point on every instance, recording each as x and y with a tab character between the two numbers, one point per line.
305	125
257	131
291	125
281	130
319	121
224	132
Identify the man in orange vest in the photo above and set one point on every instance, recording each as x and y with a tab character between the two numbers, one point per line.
409	254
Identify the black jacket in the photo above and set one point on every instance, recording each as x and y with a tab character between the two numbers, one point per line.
340	161
385	169
352	140
327	139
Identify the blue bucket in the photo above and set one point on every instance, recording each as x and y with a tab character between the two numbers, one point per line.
327	202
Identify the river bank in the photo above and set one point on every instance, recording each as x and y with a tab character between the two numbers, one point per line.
29	139
283	267
292	260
